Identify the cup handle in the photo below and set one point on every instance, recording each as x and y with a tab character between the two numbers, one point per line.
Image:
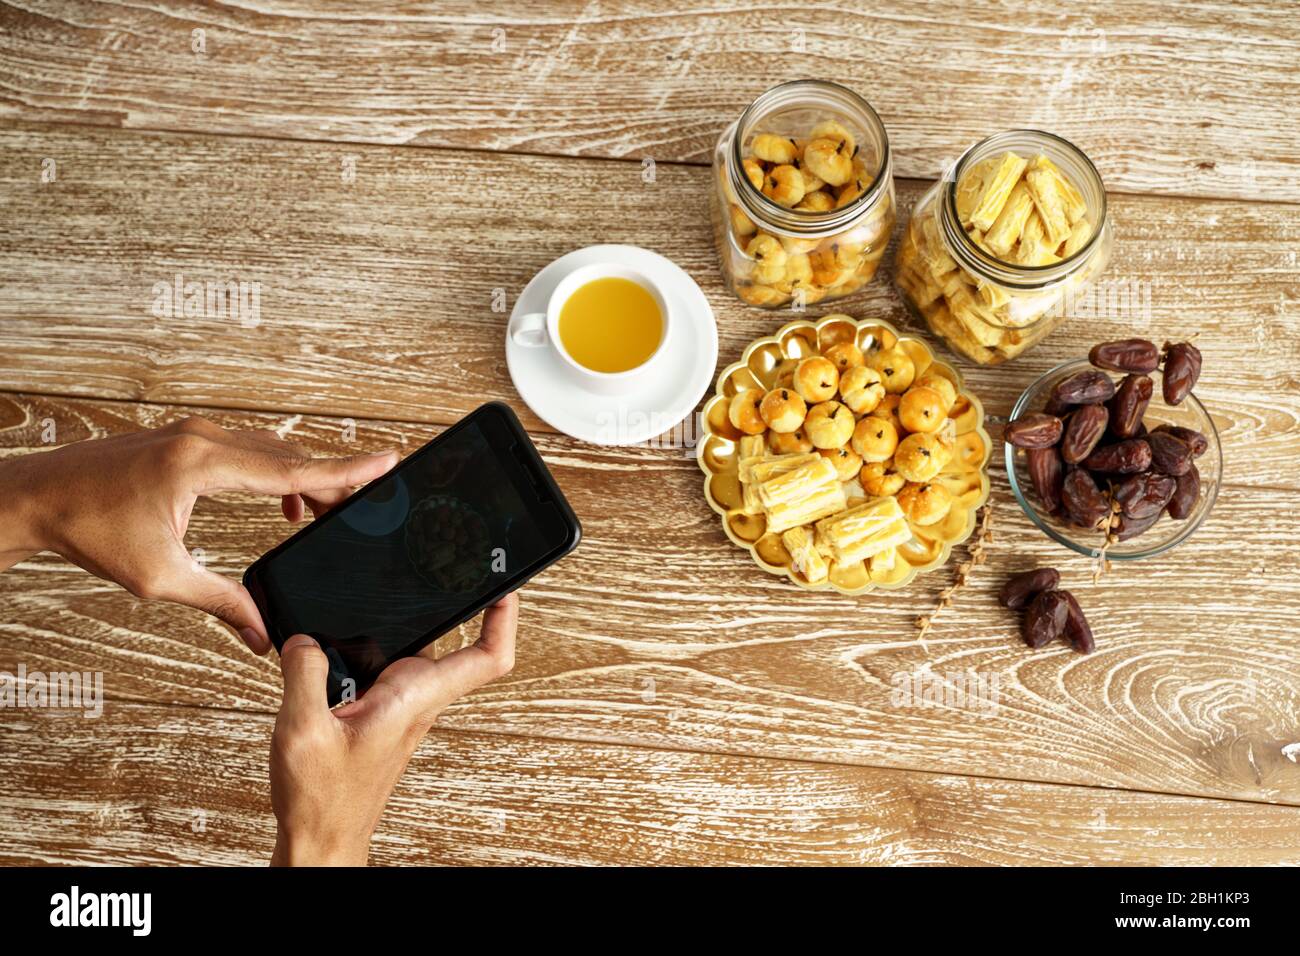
529	329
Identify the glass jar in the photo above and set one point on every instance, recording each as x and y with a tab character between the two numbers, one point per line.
787	236
987	308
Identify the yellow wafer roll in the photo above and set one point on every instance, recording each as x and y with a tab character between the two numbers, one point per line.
865	530
759	468
991	295
1006	229
804	557
1075	205
795	485
825	501
1049	199
751	446
997	190
1079	235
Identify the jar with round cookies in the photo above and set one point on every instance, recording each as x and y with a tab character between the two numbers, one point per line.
997	250
803	197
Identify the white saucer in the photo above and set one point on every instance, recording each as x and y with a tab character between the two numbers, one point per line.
679	375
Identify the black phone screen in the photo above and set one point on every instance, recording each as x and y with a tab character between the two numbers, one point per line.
451	529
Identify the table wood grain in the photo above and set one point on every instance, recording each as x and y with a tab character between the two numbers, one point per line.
377	296
391	175
1194	100
658	632
146	785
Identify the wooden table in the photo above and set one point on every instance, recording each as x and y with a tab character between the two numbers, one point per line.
383	170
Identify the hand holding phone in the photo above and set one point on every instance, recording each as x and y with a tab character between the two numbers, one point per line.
332	772
453	528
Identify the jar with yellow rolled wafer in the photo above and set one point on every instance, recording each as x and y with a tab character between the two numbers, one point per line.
999	250
803	197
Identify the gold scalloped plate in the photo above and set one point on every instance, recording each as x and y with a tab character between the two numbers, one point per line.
966	476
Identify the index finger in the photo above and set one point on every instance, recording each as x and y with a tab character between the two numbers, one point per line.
271	474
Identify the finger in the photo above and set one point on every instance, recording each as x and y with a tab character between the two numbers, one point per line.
291	505
322	502
265	439
306	672
414	690
189	584
264	473
492	656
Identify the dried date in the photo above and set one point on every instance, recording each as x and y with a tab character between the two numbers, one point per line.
1182	369
1126	457
1185	496
1146	494
1126	355
1047	472
1036	430
1077	631
1169	455
1082	432
1132	527
1130	404
1046	619
1083	501
1053	407
1084	388
1197	442
1022	588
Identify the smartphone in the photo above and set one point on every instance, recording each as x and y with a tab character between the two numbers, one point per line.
450	530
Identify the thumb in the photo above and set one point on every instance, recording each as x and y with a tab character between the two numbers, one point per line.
229	601
306	671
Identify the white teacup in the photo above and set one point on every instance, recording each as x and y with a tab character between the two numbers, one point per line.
542	329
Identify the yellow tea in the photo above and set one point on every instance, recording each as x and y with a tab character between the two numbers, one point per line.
611	325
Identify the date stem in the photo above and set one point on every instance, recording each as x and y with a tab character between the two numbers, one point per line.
976	555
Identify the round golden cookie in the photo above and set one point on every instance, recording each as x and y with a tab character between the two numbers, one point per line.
744	411
861	389
789	443
921	410
816	201
920	457
782	410
875	439
879	479
769	258
888	408
830	129
829	425
816	379
845	355
762	295
925	503
784	373
847	462
941	384
741	224
896	369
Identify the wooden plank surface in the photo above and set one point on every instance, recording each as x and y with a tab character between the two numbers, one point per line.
377	295
659	632
146	785
1189	99
669	696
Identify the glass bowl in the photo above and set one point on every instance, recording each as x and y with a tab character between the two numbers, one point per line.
1165	533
